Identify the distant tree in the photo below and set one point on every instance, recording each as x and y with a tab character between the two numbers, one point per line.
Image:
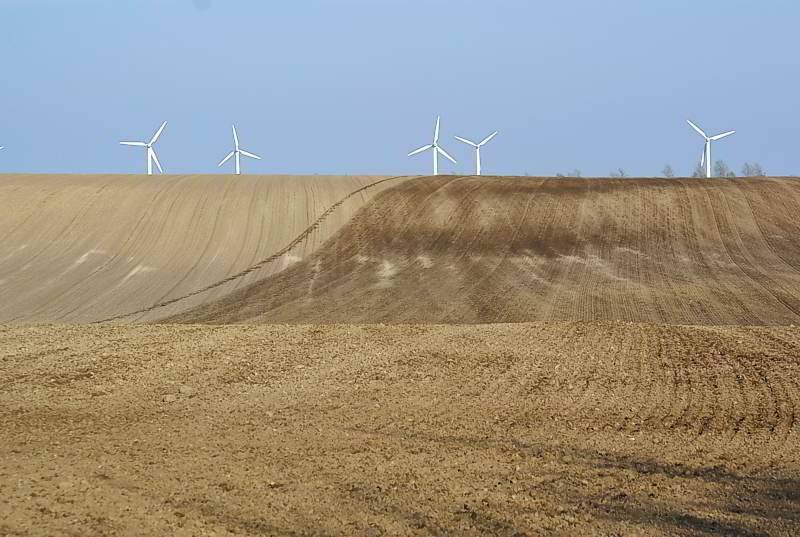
699	171
668	171
722	170
619	173
574	173
753	170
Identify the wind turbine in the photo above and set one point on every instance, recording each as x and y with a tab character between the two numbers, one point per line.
706	159
478	147
151	154
436	149
237	152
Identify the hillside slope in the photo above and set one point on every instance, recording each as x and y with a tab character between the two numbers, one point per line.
485	250
85	248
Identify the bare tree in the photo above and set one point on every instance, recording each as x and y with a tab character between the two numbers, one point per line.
753	170
722	170
619	173
668	171
699	171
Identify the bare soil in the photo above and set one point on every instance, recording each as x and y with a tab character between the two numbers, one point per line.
78	248
651	386
488	250
531	429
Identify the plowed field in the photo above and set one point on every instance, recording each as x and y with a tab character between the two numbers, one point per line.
530	429
649	384
86	248
487	250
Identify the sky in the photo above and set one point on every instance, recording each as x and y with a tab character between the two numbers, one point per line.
352	86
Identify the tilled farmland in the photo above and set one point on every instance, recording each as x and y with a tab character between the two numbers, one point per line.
399	356
487	250
81	248
545	428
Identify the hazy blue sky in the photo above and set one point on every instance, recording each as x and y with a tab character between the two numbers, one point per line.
351	86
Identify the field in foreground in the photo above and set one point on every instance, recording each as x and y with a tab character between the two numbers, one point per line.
545	428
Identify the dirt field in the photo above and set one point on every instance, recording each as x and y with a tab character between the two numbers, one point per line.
573	422
84	248
486	250
533	429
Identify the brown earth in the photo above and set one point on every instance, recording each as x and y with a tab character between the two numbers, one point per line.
85	248
543	428
486	250
530	429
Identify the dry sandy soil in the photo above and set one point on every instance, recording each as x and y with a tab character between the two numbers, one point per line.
576	421
85	248
531	429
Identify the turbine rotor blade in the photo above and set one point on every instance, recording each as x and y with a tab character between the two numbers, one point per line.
460	139
226	159
698	129
488	138
444	153
703	158
248	154
723	135
420	150
235	138
136	144
436	132
158	133
155	158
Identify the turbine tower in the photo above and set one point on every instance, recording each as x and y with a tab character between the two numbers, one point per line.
151	154
478	148
237	152
436	149
706	159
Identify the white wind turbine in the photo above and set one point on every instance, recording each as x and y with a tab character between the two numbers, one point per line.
237	152
151	154
478	148
706	159
436	149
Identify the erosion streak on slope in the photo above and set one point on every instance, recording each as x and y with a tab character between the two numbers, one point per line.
83	248
485	250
